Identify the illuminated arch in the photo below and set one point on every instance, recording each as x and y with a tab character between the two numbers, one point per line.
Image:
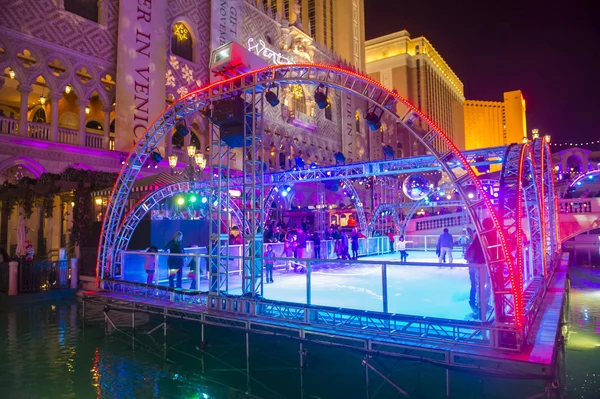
451	161
144	205
583	176
31	165
353	194
378	213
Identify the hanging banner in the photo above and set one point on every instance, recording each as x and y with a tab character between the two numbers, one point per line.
141	68
226	16
348	123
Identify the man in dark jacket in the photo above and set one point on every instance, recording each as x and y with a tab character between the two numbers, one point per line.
445	244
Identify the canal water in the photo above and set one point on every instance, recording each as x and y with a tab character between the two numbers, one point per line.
48	352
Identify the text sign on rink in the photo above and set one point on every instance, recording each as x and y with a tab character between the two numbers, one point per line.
260	48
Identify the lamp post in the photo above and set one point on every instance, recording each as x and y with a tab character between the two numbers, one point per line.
535	134
172	162
194	159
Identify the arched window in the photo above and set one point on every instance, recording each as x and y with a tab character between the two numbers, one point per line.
112	126
328	112
298	100
195	141
93	125
87	9
39	116
181	42
358	122
178	140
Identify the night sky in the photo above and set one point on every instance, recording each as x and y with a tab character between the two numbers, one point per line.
550	53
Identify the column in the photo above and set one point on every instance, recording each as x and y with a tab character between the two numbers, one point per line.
82	116
54	99
169	146
106	125
24	90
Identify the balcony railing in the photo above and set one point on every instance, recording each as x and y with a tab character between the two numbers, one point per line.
9	126
42	131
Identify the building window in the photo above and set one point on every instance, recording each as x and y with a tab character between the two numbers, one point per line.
94	125
312	18
331	24
286	10
298	100
328	113
178	141
87	9
181	42
39	116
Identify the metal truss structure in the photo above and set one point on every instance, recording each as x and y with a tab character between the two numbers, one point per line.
378	214
144	205
519	201
445	156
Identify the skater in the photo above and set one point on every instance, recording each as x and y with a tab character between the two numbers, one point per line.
317	243
175	246
354	243
149	264
345	254
475	258
391	240
401	247
445	244
269	261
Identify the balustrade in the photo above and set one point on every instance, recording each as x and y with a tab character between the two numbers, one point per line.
67	136
576	207
9	126
39	131
93	140
438	223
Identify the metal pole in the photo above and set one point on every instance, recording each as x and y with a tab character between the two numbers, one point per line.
366	379
308	283
247	363
447	383
384	292
482	293
301	371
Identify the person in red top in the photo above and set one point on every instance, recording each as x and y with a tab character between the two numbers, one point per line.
391	239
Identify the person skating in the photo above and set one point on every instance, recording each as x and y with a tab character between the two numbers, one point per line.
354	239
269	262
445	244
401	247
175	246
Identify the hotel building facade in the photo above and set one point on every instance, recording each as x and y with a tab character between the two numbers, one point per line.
495	123
417	71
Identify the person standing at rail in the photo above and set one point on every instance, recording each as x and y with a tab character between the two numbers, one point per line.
345	254
149	264
317	244
445	244
354	243
175	246
391	240
269	261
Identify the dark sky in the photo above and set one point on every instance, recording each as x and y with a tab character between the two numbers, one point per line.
551	53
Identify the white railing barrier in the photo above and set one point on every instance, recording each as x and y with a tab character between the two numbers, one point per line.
9	125
39	131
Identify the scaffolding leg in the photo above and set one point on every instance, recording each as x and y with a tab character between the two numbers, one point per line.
247	363
447	383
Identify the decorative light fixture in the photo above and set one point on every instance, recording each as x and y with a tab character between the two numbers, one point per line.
191	150
321	98
98	201
547	138
524	141
87	110
43	98
535	134
156	157
181	128
68	89
181	31
11	73
172	161
200	160
297	91
373	119
272	98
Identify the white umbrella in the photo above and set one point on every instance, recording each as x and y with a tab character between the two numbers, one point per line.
21	238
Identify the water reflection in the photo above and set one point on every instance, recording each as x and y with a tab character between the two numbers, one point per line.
47	354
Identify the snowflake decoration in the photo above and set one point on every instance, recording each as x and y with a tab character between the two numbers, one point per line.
182	91
187	73
174	62
198	83
170	78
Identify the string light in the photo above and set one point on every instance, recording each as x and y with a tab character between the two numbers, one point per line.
575	144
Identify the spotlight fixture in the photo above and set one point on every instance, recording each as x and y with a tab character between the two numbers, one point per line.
204	200
180	201
320	97
156	157
11	74
373	119
181	128
388	151
43	97
193	199
313	165
299	162
284	193
339	157
535	133
272	98
68	89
